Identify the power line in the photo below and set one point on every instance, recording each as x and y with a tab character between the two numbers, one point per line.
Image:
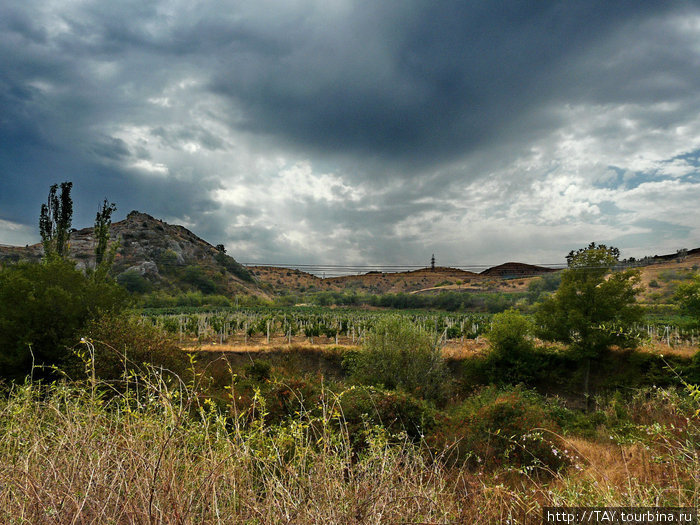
387	266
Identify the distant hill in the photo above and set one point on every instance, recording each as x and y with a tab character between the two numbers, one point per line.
416	281
155	254
512	270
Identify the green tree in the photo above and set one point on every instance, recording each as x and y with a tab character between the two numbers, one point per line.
104	254
43	308
103	220
230	264
134	282
55	220
688	297
541	286
594	307
196	276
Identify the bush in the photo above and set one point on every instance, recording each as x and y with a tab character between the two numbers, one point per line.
274	400
195	276
509	334
134	282
365	407
503	428
125	342
166	261
232	266
396	354
542	286
544	368
258	371
688	297
189	299
498	302
513	358
43	307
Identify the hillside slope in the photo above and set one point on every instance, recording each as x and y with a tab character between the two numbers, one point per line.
416	281
153	253
658	275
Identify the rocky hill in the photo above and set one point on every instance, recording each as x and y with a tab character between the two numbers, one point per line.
153	253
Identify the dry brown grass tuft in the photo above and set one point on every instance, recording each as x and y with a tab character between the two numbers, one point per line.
157	457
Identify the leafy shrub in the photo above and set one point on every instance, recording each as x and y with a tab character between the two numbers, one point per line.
541	367
692	370
195	276
134	282
587	424
509	334
365	407
396	354
258	371
192	299
543	286
43	307
232	266
498	302
688	297
675	275
513	358
125	342
166	260
503	428
277	400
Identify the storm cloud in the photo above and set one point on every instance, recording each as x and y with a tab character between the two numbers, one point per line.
360	132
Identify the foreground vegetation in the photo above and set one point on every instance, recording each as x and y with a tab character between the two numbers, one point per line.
157	451
390	433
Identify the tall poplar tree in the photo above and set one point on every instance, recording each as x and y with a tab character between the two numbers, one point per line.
103	220
55	220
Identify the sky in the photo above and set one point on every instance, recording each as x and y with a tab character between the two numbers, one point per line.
360	132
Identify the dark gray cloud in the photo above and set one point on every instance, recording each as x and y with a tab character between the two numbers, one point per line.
353	130
421	82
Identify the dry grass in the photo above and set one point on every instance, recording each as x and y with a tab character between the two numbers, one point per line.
158	452
614	465
453	349
262	347
664	474
661	348
65	458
